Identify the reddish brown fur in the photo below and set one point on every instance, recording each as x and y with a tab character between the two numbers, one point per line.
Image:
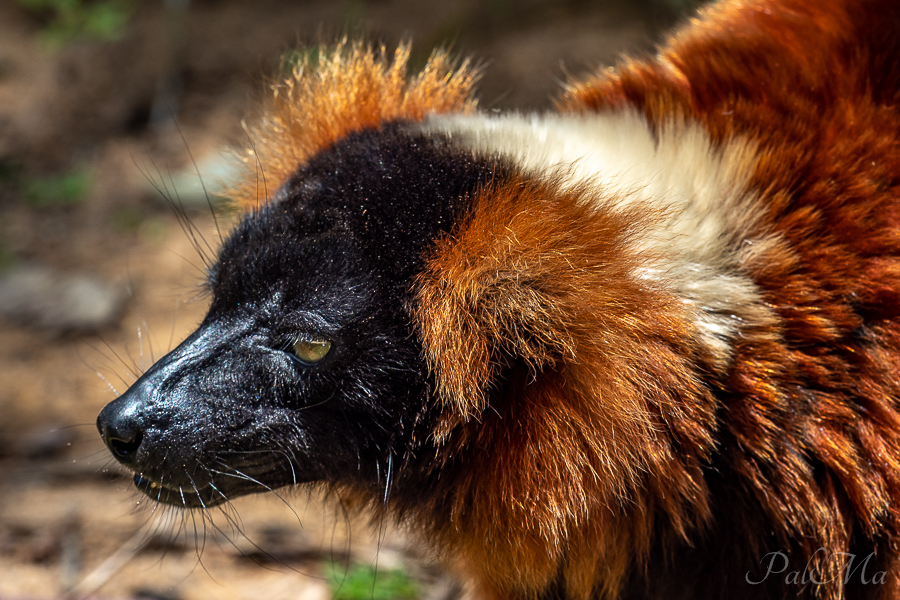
818	85
607	402
572	393
822	389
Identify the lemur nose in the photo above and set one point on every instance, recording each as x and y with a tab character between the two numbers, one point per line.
120	429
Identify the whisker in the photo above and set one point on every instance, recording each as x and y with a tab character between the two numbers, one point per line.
131	368
196	490
252	543
260	172
140	347
196	233
178	209
94	580
174	321
240	475
181	215
199	178
107	382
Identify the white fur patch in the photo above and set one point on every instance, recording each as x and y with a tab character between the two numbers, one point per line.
702	190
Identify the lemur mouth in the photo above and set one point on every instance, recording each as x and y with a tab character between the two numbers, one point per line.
209	493
201	496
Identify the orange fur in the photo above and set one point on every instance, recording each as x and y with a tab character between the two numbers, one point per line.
350	89
603	420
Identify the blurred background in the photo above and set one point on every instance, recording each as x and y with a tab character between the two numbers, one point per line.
111	111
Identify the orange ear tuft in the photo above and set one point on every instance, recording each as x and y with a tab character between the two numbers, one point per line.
351	88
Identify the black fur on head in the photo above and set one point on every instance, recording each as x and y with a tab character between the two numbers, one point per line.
330	259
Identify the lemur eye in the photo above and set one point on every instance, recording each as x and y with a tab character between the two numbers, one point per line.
311	351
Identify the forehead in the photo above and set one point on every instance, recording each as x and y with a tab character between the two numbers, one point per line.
275	254
360	213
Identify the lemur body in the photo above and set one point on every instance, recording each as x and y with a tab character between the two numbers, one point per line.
644	346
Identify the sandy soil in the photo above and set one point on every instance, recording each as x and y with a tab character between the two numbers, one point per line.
70	522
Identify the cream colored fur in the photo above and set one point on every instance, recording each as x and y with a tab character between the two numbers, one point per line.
701	190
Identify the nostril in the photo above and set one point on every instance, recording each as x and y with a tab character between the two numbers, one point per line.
123	447
122	430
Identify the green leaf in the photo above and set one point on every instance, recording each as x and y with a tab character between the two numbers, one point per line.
364	582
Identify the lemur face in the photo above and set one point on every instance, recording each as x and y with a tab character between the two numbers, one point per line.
306	367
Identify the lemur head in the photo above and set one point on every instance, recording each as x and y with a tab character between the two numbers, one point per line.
306	366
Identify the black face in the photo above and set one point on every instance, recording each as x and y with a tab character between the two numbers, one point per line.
306	367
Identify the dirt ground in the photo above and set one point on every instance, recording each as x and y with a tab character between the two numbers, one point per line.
71	524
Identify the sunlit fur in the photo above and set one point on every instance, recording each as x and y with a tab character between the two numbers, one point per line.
346	88
812	411
696	191
537	294
658	339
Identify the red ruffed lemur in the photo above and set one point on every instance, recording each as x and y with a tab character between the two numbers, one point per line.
646	345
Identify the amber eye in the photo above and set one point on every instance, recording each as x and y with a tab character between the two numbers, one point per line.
311	351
